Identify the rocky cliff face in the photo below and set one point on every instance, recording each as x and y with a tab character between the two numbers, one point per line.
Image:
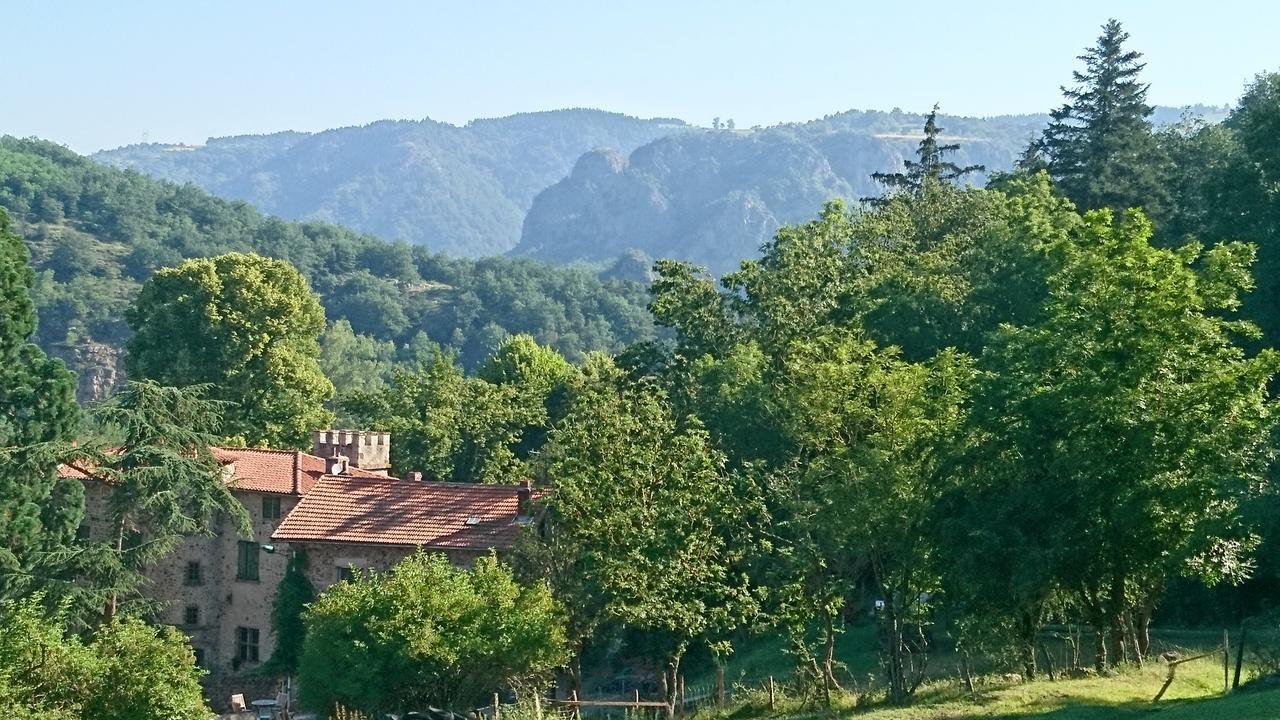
99	368
462	190
714	197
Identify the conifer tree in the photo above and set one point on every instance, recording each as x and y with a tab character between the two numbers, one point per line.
37	408
930	164
1099	145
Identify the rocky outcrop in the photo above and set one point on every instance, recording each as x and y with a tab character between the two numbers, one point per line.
99	368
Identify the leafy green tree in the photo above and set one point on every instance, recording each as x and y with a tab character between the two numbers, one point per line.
245	325
930	165
1099	144
38	512
428	634
144	673
293	595
164	485
355	362
540	377
1131	414
449	425
128	671
644	510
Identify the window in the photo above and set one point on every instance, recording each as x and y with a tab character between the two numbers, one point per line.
345	572
191	615
247	644
194	575
82	532
199	656
271	508
247	565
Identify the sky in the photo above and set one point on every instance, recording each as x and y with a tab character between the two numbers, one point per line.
94	75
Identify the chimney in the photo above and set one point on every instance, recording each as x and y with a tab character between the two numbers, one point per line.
365	449
524	500
413	476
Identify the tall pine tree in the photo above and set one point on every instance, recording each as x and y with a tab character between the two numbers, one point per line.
930	164
37	408
1099	145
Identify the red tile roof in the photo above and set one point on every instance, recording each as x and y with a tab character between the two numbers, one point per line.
387	511
284	472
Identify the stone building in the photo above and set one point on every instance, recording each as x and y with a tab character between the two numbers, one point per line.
336	503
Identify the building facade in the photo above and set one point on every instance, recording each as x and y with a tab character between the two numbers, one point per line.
338	505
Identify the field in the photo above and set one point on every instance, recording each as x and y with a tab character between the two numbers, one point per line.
1196	693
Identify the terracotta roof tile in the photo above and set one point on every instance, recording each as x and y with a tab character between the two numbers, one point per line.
284	472
387	511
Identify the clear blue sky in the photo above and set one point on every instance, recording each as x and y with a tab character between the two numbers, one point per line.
97	74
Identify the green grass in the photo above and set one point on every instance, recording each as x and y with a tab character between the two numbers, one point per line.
1196	694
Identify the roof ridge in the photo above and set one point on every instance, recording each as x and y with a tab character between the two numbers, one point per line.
419	483
241	448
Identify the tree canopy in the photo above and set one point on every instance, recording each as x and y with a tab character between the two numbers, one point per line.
428	634
246	326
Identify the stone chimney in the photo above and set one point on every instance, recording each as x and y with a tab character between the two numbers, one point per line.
524	500
364	449
413	476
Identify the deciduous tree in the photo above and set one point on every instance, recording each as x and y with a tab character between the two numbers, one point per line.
246	326
428	634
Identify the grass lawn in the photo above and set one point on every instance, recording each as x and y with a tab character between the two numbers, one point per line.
1196	694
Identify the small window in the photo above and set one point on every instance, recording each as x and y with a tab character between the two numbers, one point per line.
194	574
345	573
82	532
199	653
271	507
247	644
191	615
247	563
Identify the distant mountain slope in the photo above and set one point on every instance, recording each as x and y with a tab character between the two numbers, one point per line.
458	190
96	233
712	197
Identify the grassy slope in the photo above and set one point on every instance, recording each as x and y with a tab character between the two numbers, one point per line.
1196	694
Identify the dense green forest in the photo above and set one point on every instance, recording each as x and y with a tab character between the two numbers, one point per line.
462	191
95	233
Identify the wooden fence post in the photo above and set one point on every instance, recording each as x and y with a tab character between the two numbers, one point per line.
577	709
772	697
1235	681
497	707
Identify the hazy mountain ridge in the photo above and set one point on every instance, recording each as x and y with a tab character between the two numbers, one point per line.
462	190
578	185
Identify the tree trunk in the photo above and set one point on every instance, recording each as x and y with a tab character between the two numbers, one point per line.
1027	644
671	683
897	670
1142	626
109	613
1118	608
828	660
575	670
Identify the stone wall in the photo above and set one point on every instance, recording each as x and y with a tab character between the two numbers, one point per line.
223	601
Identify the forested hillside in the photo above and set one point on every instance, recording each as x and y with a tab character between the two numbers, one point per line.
715	197
458	190
95	233
603	182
